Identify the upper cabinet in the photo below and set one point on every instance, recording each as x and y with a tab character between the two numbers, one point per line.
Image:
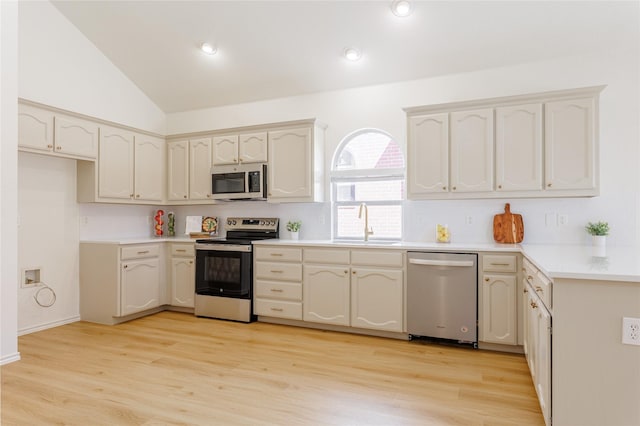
200	154
538	145
296	161
178	171
243	148
47	132
570	133
189	171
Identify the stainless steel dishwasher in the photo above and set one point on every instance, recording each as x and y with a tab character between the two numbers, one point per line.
442	296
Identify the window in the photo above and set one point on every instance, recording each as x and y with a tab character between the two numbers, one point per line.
368	167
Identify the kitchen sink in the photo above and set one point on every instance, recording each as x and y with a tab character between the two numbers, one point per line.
367	243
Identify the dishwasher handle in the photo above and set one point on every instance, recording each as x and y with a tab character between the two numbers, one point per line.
433	262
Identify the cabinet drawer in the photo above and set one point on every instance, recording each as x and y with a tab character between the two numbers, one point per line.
279	254
278	308
326	256
139	252
186	250
377	258
542	286
499	263
278	290
279	271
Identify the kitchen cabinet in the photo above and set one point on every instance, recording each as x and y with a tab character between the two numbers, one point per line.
519	148
119	282
278	282
498	313
46	132
428	154
472	150
189	171
570	155
326	286
538	334
130	169
377	290
541	145
183	274
243	148
296	164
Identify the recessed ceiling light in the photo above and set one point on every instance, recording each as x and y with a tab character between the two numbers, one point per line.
352	54
208	48
402	8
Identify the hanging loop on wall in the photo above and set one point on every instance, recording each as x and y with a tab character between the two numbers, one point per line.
52	299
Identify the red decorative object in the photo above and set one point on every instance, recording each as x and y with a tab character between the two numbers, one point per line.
159	222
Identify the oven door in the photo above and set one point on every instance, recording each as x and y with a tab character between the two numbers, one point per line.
224	270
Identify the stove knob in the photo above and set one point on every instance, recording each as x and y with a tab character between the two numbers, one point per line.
233	222
262	223
228	222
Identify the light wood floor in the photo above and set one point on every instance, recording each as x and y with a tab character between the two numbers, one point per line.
174	368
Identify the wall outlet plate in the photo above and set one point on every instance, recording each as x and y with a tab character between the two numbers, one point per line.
631	331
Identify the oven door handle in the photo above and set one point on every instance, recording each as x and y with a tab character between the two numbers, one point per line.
224	247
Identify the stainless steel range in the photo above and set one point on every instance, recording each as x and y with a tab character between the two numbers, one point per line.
224	269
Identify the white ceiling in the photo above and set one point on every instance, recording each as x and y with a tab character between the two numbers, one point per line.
271	49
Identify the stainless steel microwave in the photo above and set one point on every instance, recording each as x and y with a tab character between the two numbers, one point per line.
239	182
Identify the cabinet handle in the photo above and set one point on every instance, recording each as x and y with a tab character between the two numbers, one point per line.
240	160
208	195
277	290
137	195
277	271
454	188
539	289
529	278
525	291
184	196
444	188
353	272
276	254
486	279
534	305
181	250
125	266
58	148
346	272
549	185
143	252
191	262
499	186
499	264
277	309
50	146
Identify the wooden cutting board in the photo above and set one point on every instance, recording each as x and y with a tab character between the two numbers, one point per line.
508	227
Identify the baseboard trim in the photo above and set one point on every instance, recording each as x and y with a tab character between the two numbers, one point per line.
7	359
40	327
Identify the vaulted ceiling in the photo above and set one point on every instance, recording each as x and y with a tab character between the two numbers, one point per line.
271	49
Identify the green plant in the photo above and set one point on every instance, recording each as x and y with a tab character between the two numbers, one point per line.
294	225
598	228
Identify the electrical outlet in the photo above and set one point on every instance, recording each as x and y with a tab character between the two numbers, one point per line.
468	220
631	331
550	219
563	219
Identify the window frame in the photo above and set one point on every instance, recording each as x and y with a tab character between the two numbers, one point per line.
365	175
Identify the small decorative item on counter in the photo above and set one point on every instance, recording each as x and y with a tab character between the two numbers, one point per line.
598	232
159	222
508	228
210	225
293	226
442	233
171	224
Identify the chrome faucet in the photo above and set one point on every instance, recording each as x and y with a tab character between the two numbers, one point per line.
367	231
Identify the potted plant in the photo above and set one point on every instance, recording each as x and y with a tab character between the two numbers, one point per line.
599	232
293	226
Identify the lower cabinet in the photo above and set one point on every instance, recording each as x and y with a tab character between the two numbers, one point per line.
326	294
498	313
278	282
119	280
183	275
377	299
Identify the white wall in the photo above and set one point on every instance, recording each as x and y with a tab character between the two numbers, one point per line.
58	66
381	107
8	173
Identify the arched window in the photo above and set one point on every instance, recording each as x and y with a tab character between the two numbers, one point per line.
368	167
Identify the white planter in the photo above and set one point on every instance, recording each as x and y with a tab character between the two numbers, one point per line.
599	240
294	234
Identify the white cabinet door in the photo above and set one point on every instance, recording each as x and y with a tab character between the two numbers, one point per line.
252	148
499	299
225	150
377	299
569	144
183	275
200	154
290	165
519	148
149	168
76	137
115	164
472	151
140	286
543	358
35	128
428	154
178	171
326	294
